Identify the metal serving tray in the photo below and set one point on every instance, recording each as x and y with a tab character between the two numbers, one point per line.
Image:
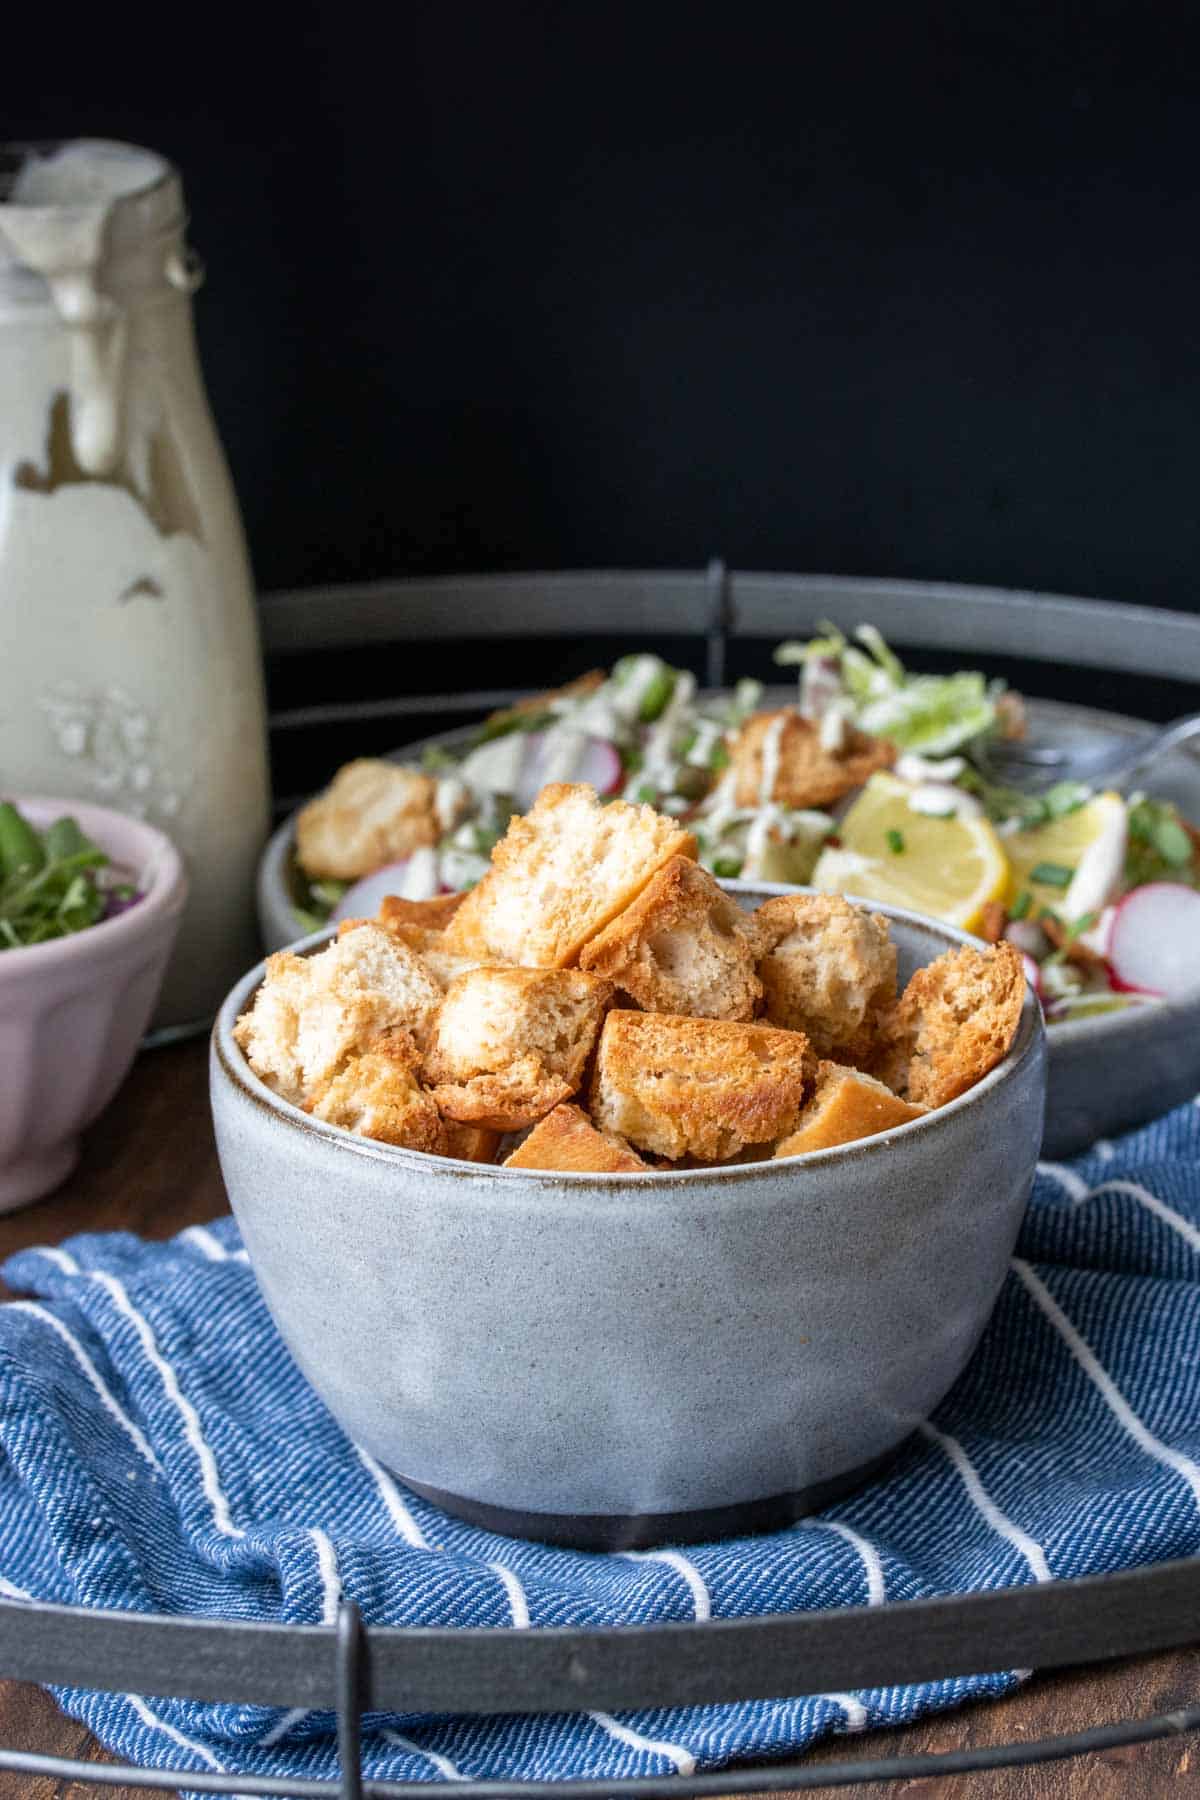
349	1669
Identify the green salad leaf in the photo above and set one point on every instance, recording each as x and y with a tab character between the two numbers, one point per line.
1160	848
931	714
47	880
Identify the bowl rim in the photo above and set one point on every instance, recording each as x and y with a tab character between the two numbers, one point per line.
231	1064
164	896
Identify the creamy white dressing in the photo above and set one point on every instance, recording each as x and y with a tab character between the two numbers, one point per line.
917	769
834	722
820	686
771	749
939	800
561	751
451	798
708	735
1100	873
766	821
626	699
837	867
420	875
660	765
56	220
721	808
495	768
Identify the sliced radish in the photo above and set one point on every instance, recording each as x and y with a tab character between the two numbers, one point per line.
563	755
1154	946
413	878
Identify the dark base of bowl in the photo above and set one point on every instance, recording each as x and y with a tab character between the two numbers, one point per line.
642	1531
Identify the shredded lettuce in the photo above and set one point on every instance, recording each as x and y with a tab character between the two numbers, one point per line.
931	714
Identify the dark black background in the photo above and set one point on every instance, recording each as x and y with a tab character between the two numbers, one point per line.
905	290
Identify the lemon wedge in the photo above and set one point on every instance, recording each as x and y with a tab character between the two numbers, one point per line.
947	867
1061	845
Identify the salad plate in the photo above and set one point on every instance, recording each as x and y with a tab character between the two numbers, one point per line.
1116	1058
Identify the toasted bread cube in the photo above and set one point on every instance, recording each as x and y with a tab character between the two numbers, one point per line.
510	1043
469	1143
561	872
372	813
846	1105
430	945
827	969
778	757
379	1096
313	1012
954	1022
683	947
566	1139
505	1099
428	915
700	1087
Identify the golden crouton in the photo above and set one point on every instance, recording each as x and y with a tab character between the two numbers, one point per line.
428	915
955	1020
827	969
682	947
372	813
313	1012
560	873
566	1139
378	1096
846	1105
704	1087
469	1143
510	1043
778	757
430	945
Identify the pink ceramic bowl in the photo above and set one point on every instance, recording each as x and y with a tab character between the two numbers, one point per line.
73	1011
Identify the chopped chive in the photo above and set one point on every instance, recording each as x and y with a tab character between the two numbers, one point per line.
728	866
1021	904
1172	843
1048	874
895	841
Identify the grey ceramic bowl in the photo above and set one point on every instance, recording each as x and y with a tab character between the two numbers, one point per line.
613	1361
1106	1074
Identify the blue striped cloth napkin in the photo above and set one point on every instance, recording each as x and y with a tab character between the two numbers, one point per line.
145	1468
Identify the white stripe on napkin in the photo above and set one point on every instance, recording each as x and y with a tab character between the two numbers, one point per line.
389	1493
1110	1393
518	1605
855	1711
109	1403
876	1586
685	1762
675	1559
1186	1230
177	1737
442	1764
191	1419
211	1246
1030	1549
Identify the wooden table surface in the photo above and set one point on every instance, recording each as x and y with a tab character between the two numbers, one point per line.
150	1166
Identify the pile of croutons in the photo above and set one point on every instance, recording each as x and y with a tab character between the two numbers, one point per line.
599	993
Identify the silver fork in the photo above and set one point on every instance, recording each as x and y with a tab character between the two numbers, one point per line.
1033	766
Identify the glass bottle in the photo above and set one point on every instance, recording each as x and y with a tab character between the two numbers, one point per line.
130	668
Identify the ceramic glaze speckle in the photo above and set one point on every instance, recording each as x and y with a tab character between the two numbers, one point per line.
620	1350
